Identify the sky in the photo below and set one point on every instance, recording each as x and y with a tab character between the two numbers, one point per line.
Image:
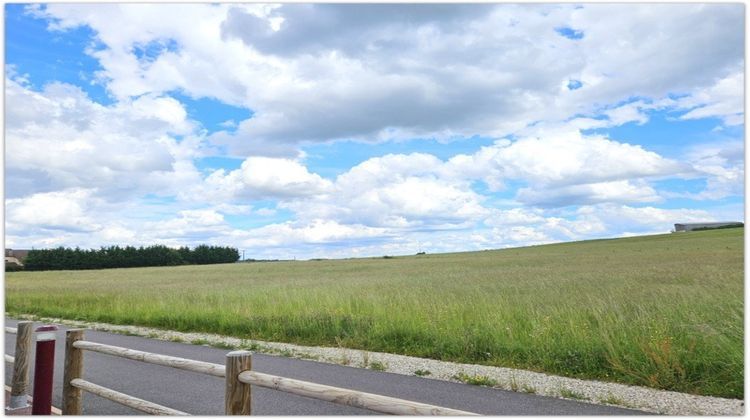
352	130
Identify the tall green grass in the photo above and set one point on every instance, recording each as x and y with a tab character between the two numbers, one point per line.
663	311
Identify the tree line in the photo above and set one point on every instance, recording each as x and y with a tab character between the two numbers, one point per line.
120	257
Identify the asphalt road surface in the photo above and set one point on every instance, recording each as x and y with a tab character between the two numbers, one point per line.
200	394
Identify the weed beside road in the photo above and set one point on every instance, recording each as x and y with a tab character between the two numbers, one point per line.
663	311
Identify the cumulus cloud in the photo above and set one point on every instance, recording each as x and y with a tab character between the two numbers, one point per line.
402	191
585	222
58	138
516	216
66	210
600	192
263	177
315	28
190	65
558	158
647	219
421	70
630	112
724	100
314	232
626	43
187	227
723	165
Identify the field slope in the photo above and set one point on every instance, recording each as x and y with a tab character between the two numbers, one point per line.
664	311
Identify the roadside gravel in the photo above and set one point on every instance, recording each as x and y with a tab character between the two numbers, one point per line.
636	397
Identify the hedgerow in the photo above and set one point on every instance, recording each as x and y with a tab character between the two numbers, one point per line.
121	257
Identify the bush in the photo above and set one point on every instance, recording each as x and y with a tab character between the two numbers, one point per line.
13	267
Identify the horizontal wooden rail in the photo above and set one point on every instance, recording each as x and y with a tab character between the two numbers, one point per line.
239	378
11	330
154	358
9	359
126	400
379	403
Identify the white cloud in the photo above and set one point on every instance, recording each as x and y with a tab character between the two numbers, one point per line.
315	232
375	171
421	191
632	50
723	165
725	100
630	112
402	191
555	158
112	234
262	177
229	124
78	217
58	138
233	209
588	222
66	210
624	218
517	236
516	216
417	70
601	192
161	110
189	226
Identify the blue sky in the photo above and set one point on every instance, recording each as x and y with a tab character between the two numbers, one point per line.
415	127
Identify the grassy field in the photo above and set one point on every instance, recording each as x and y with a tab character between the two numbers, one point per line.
663	311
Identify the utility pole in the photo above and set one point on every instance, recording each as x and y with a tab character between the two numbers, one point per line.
243	255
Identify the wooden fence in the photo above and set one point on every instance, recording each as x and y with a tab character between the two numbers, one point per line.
238	375
21	364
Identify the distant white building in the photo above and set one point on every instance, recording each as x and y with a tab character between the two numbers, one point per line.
687	227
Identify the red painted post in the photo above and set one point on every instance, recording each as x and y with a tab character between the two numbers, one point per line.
44	368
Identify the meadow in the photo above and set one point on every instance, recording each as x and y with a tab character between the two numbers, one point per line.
663	311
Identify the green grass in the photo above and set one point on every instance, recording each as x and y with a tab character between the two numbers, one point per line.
379	366
513	384
223	345
286	353
662	311
307	356
475	380
612	400
568	393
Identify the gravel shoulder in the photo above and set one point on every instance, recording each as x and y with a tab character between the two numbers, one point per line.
597	392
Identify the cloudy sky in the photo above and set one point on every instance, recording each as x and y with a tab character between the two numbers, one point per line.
331	130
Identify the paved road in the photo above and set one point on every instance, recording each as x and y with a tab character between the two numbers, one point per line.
204	395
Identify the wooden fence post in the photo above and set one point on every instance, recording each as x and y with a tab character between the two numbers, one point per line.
21	365
237	399
72	396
